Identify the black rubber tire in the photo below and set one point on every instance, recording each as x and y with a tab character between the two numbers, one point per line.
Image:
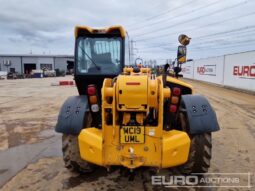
71	155
199	155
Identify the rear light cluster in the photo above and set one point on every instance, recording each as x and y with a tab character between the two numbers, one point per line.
91	90
176	93
92	95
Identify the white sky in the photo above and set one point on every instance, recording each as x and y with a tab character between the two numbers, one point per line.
216	27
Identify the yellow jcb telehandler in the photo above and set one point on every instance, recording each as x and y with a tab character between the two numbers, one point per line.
128	116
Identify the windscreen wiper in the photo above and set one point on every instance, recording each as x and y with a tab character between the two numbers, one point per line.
97	67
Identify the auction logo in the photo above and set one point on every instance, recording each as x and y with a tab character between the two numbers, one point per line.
209	180
247	72
209	70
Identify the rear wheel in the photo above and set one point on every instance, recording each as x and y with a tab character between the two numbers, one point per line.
200	147
199	155
71	155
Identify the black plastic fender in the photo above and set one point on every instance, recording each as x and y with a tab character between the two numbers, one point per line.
200	114
72	115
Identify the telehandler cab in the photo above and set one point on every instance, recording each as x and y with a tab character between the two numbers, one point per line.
128	116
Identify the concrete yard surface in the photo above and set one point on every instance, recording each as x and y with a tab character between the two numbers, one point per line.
30	150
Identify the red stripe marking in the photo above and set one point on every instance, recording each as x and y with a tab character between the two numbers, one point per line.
133	83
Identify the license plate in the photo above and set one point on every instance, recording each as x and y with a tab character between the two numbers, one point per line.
132	134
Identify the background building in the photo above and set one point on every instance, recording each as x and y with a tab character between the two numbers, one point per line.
24	64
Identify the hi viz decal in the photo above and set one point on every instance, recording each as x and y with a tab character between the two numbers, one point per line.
246	72
209	70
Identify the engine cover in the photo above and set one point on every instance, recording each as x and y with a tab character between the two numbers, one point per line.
132	93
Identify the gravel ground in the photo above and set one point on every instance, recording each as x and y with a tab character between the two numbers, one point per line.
30	150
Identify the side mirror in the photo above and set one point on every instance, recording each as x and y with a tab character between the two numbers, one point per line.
181	54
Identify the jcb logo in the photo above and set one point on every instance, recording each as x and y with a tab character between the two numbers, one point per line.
244	71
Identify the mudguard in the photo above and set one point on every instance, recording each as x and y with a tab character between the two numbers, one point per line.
201	116
71	118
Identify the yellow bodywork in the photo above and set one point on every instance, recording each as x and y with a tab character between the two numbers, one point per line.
179	82
137	93
99	30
